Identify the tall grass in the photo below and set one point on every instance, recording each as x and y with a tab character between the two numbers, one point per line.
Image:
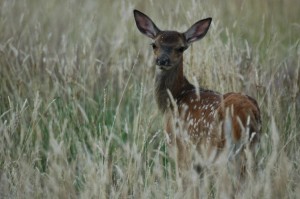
77	114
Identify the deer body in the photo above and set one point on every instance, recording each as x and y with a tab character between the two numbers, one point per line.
195	117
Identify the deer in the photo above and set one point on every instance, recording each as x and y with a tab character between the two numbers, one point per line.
215	125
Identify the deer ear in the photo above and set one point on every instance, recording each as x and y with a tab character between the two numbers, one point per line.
145	24
198	30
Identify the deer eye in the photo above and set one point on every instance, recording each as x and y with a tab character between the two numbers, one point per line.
153	46
181	49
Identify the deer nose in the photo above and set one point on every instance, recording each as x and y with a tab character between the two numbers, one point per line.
163	60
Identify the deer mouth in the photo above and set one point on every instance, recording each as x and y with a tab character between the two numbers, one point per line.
165	67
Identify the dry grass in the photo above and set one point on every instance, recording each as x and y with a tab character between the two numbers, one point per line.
77	114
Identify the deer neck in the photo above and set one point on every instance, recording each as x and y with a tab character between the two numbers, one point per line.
171	81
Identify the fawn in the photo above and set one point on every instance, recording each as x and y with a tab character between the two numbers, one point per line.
204	120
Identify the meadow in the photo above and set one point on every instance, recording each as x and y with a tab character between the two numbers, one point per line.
78	117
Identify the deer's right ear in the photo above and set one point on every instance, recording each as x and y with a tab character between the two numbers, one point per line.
145	24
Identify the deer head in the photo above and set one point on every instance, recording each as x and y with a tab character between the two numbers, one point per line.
168	46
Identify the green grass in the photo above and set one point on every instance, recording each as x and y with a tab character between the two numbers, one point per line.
78	117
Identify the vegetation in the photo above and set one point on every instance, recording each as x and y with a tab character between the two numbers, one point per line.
77	112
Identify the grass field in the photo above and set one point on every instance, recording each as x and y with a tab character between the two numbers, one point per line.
78	117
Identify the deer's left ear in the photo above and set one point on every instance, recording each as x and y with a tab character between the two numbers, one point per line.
198	30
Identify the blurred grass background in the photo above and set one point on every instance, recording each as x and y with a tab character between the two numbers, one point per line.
77	114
